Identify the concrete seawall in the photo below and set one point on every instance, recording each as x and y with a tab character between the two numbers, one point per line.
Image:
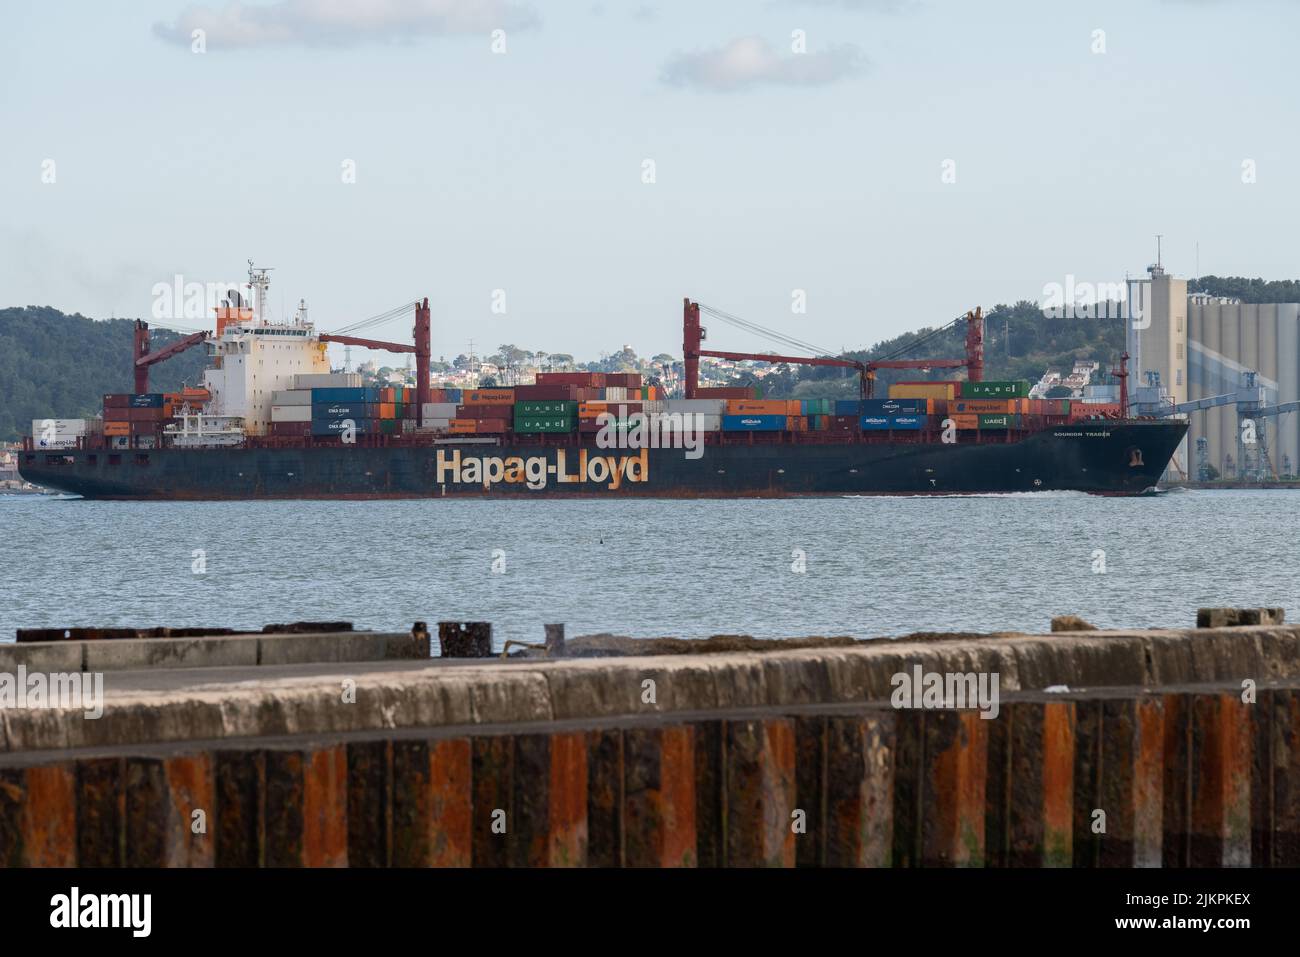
1170	748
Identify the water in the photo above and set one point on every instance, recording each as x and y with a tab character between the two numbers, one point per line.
874	566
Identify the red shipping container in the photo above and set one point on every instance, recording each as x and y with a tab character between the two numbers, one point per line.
725	392
117	414
489	426
291	428
117	400
146	415
623	380
548	393
592	379
146	428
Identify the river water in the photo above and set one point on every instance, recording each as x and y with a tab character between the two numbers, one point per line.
837	566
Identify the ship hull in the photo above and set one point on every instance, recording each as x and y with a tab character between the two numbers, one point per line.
1110	458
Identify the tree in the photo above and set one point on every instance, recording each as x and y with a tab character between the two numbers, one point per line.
561	359
488	382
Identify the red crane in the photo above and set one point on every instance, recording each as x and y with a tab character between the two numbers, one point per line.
144	358
693	334
423	349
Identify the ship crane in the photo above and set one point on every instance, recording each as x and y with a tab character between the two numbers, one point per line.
422	349
693	333
144	358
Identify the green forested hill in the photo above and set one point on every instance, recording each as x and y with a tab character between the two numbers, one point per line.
1019	343
59	366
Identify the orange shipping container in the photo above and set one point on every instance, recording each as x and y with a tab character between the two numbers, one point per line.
923	390
758	407
965	420
388	410
463	426
989	406
117	428
589	410
489	397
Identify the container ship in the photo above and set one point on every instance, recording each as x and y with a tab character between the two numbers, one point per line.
272	421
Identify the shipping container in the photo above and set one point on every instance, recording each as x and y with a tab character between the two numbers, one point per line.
876	423
321	427
117	400
328	380
544	408
365	394
893	406
623	380
58	427
758	407
988	406
923	390
1005	421
146	400
593	379
135	414
290	413
726	392
1044	406
489	397
345	410
543	423
757	422
439	410
994	389
964	420
291	428
291	397
117	428
704	406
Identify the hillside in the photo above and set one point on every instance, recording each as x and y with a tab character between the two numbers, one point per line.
54	365
1019	343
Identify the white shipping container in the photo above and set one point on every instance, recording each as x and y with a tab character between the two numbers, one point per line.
434	425
615	393
328	380
439	410
292	397
290	413
58	427
705	406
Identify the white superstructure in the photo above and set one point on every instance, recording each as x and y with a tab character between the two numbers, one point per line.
253	357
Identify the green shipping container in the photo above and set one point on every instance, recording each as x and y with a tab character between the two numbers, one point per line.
390	426
544	423
1000	421
1016	389
552	408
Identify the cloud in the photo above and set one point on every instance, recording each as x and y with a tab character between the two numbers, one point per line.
342	22
749	62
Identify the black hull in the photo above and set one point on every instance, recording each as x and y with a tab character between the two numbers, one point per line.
1119	458
1101	458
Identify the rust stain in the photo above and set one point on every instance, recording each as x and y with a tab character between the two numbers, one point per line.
191	783
677	790
49	817
778	791
567	801
450	812
1058	783
325	809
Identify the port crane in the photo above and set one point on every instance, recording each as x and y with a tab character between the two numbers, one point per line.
693	334
1253	457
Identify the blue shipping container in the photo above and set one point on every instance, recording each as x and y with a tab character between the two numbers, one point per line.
344	410
893	407
753	423
344	395
848	407
882	423
147	400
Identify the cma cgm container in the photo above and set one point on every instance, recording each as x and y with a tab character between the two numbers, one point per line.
326	427
877	423
1010	389
753	423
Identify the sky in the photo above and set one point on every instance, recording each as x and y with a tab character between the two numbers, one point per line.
584	165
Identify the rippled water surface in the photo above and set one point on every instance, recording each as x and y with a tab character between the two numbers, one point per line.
874	566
